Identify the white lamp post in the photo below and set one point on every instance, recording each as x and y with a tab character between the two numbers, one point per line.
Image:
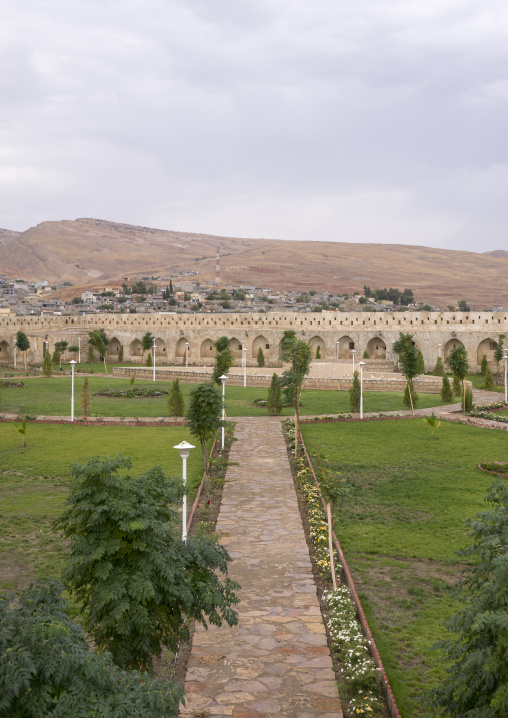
184	449
244	362
439	350
505	385
15	350
186	354
362	364
337	353
79	350
153	358
72	363
223	379
353	352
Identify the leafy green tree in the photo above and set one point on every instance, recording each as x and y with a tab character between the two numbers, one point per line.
56	358
439	369
98	340
459	365
274	400
463	306
21	429
62	348
146	343
47	668
476	685
457	387
84	399
489	379
47	364
23	344
77	300
260	357
223	359
484	364
355	393
408	362
176	406
446	389
298	355
499	351
410	398
204	419
140	585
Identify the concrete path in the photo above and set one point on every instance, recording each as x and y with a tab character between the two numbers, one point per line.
276	661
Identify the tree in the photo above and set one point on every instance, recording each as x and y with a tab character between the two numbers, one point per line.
489	379
48	669
139	583
318	352
223	359
274	400
47	364
120	353
170	286
90	355
298	354
62	347
408	362
439	369
421	362
459	365
204	419
149	361
260	357
463	306
84	400
468	400
355	393
484	364
499	351
456	385
146	343
477	681
23	344
21	429
98	340
365	355
77	300
56	358
176	406
432	423
446	389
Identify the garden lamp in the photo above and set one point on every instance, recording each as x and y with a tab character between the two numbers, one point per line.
72	363
362	364
223	379
184	448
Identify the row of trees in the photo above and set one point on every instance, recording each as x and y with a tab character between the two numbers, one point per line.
392	295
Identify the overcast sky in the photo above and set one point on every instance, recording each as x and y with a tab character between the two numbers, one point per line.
338	120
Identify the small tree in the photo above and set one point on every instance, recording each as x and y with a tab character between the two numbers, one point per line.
298	354
21	429
366	355
90	355
56	358
120	354
439	369
476	683
484	364
23	344
47	365
489	379
499	351
468	400
204	419
408	361
149	361
140	585
446	389
355	393
99	340
459	365
176	406
50	670
421	362
146	343
274	401
223	359
62	347
84	400
432	423
260	357
463	306
318	352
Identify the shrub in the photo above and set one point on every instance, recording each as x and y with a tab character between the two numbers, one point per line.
149	361
366	355
484	364
489	379
47	365
439	369
260	357
120	353
468	400
355	393
85	398
446	389
457	389
318	352
176	406
274	401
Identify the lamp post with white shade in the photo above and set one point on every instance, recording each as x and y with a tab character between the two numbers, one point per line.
362	364
505	384
186	354
72	363
353	352
153	358
337	352
223	379
15	350
79	350
439	350
244	362
184	449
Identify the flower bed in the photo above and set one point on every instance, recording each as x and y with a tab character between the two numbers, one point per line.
494	467
131	393
489	415
493	406
17	384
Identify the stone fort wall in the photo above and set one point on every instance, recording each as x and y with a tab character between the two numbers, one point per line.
336	334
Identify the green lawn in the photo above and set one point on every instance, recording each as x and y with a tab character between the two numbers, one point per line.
401	526
53	397
33	485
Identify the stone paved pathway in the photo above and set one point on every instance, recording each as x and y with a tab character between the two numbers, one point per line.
276	661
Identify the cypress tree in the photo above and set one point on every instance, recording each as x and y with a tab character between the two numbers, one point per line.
457	389
176	406
149	361
354	393
47	365
366	355
468	400
91	357
260	357
318	352
84	400
446	389
420	363
274	402
439	369
56	356
120	353
489	379
484	364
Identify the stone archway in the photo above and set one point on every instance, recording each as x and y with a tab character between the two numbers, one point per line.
207	349
235	346
135	349
376	348
160	350
180	347
113	348
314	343
346	346
260	342
5	352
488	347
449	346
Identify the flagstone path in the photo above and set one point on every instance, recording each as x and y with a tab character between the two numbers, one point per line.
276	662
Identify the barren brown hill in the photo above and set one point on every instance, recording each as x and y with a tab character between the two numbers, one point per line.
87	251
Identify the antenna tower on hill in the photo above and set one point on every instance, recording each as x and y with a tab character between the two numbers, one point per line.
217	269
